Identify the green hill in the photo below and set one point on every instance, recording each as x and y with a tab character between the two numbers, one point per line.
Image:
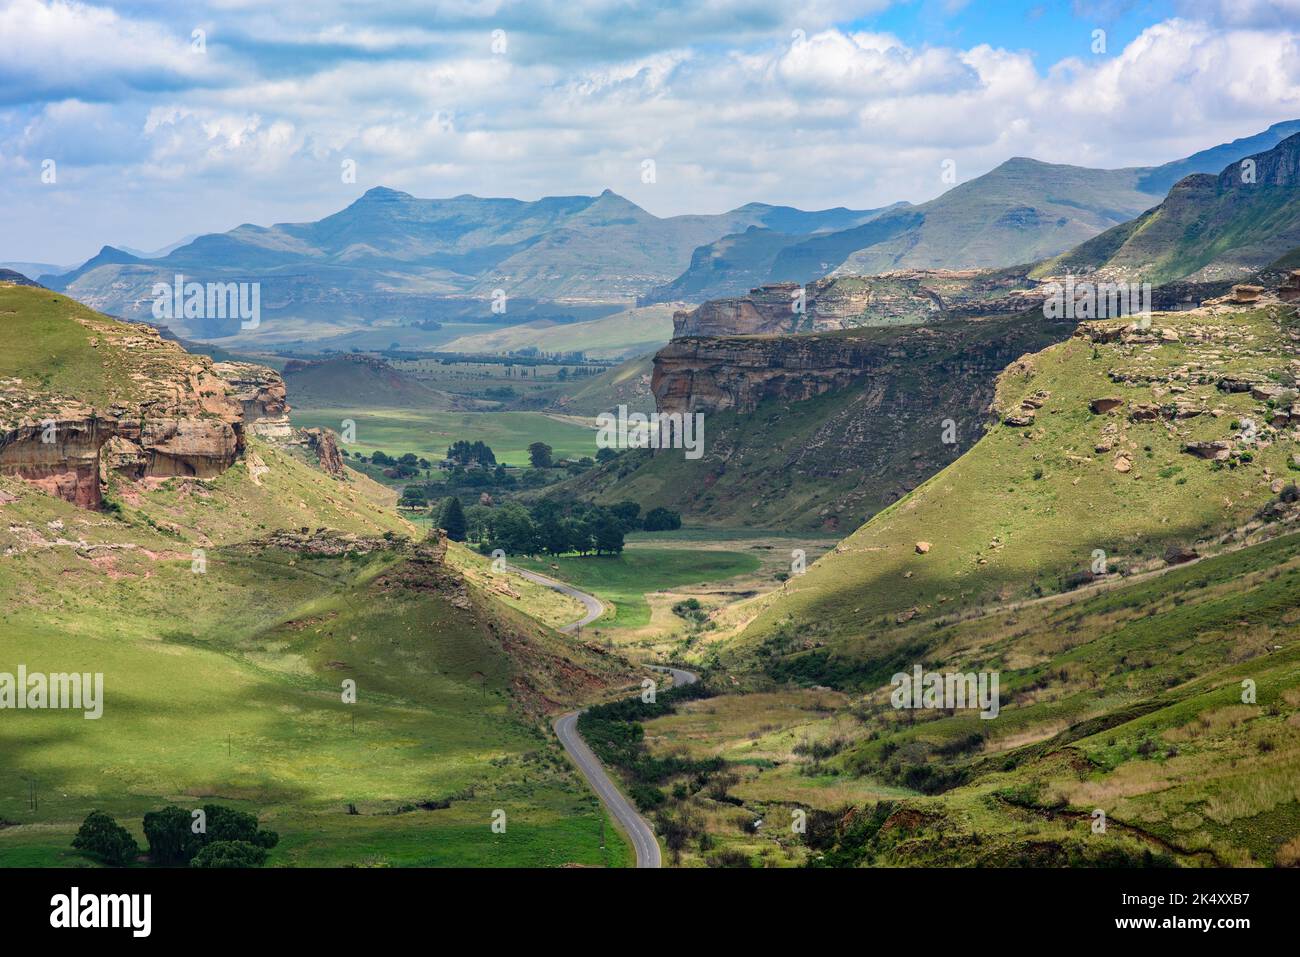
362	381
628	333
226	613
1023	512
1209	228
626	384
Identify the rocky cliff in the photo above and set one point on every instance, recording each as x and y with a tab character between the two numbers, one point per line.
820	430
907	297
102	396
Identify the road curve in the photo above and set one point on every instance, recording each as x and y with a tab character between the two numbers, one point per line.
595	607
624	812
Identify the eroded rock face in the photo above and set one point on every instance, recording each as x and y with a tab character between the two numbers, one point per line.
59	455
322	442
176	416
906	297
261	393
738	373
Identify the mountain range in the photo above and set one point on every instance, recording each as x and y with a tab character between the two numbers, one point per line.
1020	212
392	259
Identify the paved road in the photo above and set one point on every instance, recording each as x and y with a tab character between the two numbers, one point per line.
566	729
595	607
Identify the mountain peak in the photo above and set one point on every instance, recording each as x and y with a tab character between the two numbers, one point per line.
383	194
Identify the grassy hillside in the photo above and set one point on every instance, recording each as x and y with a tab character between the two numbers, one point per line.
1208	228
627	333
360	381
832	461
238	701
626	384
225	643
1022	513
1126	700
52	346
1163	691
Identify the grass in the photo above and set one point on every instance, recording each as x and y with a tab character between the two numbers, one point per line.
622	582
223	679
51	345
428	434
1001	533
239	702
631	332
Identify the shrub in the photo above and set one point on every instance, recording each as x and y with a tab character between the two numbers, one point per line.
228	854
102	837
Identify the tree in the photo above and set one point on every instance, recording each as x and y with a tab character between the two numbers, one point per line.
102	837
230	854
227	824
413	496
662	520
453	519
606	455
628	514
539	454
170	836
478	522
608	534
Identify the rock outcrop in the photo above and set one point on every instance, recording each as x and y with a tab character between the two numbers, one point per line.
738	373
322	442
261	393
906	297
158	412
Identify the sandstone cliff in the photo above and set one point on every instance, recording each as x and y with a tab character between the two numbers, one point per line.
820	430
82	395
844	302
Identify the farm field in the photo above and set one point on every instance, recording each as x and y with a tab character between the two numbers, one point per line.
428	434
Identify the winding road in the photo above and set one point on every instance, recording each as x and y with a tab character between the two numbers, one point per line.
566	729
595	607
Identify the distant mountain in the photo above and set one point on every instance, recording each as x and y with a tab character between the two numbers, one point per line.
632	332
1209	228
393	257
1022	211
160	251
1162	178
361	381
32	270
14	278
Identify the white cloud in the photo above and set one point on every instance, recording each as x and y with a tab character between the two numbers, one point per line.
833	117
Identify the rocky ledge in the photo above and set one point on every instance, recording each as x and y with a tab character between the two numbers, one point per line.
168	413
903	297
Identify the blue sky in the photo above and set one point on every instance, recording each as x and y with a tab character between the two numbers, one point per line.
116	126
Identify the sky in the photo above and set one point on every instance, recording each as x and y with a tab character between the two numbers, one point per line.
136	124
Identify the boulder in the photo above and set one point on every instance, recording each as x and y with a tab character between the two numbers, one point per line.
1217	450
